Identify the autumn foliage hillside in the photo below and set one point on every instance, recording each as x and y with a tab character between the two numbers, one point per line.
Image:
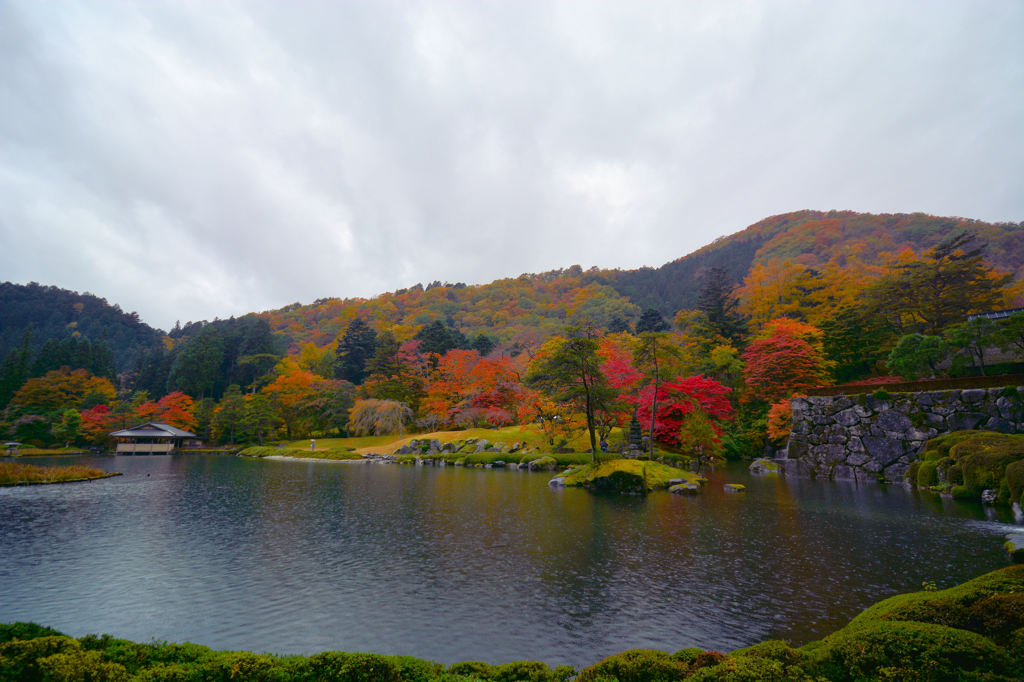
519	312
701	355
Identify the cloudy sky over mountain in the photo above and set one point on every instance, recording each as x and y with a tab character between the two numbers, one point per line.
191	159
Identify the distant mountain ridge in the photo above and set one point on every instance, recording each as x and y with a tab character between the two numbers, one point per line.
520	311
54	313
812	238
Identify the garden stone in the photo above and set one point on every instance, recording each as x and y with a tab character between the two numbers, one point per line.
883	450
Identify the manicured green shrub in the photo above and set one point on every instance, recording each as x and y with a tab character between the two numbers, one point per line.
134	656
687	656
351	667
775	649
962	492
911	475
9	631
562	458
749	669
170	672
19	658
637	665
81	665
414	669
927	474
908	650
1015	480
530	671
471	669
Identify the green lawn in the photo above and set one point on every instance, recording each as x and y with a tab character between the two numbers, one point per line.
533	437
37	452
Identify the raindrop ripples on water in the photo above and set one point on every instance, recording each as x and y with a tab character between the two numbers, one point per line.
452	564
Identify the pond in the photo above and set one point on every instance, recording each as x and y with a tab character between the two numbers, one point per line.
451	564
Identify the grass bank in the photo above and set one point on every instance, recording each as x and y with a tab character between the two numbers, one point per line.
271	451
45	452
974	631
16	473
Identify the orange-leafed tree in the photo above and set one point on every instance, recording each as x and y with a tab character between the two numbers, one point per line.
467	390
177	409
780	420
291	390
786	359
64	388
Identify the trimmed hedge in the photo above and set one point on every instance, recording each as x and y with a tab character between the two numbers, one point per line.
973	631
968	462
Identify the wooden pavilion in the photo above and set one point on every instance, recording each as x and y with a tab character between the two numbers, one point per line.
153	438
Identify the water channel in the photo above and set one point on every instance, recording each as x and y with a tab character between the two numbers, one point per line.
452	564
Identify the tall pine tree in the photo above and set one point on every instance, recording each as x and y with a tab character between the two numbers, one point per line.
355	348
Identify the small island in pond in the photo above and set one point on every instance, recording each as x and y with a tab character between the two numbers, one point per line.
629	476
16	473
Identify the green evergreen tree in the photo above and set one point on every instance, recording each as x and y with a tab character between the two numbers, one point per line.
437	337
721	307
482	344
355	348
651	321
230	414
15	369
916	356
971	339
196	366
930	294
618	325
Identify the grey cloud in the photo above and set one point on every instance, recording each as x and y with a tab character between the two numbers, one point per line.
198	160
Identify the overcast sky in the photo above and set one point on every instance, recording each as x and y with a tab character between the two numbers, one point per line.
188	160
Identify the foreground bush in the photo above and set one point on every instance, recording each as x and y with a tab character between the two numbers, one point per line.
974	631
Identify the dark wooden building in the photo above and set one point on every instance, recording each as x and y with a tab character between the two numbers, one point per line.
153	438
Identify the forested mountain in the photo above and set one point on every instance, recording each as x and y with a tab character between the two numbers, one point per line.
56	314
811	238
516	314
519	311
794	302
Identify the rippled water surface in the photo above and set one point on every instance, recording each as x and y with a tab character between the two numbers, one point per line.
452	564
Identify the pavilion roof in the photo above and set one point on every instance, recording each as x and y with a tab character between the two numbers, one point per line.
153	429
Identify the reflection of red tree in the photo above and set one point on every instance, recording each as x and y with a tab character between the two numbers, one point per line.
677	399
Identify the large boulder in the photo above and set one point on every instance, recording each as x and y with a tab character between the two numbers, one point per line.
543	464
763	466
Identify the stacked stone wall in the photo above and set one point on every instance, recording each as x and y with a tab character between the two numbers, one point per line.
875	437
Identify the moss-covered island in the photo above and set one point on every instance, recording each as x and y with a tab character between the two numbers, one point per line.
974	631
973	465
16	473
627	476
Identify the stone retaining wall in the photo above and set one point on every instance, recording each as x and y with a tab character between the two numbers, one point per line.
875	437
